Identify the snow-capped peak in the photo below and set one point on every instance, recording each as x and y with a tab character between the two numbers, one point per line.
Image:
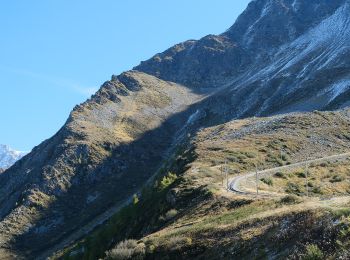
9	156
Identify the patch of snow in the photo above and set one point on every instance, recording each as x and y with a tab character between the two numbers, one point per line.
9	156
330	33
337	89
321	46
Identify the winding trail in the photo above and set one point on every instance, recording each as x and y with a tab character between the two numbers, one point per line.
235	183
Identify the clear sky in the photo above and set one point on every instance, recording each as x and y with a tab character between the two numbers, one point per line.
55	54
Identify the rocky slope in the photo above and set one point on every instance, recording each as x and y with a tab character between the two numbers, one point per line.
9	156
279	56
194	217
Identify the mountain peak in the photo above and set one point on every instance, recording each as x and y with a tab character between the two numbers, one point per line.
271	23
9	156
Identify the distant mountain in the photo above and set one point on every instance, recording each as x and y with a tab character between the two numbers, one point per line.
279	56
9	156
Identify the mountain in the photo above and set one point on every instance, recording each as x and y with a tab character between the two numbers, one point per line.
280	56
191	215
8	156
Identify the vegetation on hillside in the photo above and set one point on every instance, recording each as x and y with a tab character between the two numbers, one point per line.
188	214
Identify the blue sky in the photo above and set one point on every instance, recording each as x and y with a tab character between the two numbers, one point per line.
55	54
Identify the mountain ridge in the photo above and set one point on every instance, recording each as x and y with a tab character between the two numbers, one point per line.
270	74
118	139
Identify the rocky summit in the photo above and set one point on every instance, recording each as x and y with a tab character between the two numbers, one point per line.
280	56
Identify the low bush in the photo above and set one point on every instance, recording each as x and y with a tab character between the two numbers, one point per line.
290	199
324	164
128	249
280	175
177	242
170	214
167	181
267	181
313	253
336	178
310	184
317	190
301	174
293	188
284	157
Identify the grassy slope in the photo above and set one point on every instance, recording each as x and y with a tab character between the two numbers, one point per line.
208	222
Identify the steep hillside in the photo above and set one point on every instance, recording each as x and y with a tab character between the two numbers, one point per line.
280	56
195	217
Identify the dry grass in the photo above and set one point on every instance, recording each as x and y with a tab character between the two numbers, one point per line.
244	143
323	179
271	142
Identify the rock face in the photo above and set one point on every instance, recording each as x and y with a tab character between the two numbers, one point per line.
280	56
9	156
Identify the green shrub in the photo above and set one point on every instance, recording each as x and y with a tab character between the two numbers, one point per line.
301	174
167	181
170	214
135	199
250	155
310	184
317	190
128	249
177	242
267	181
284	157
290	199
293	188
280	175
313	253
336	178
